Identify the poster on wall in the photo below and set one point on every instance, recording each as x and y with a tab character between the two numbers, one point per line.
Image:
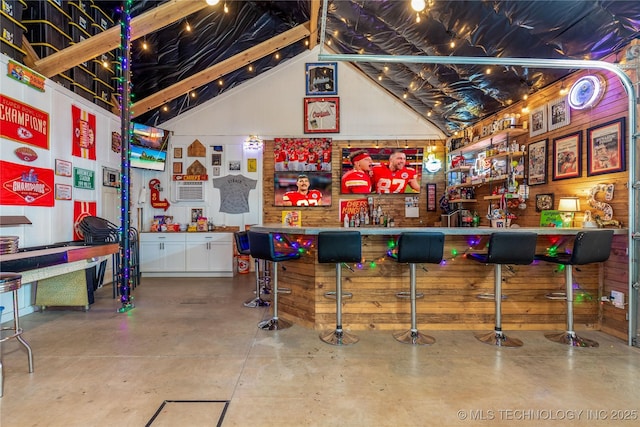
381	170
25	185
22	123
81	210
84	133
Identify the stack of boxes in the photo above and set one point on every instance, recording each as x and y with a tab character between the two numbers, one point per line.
53	25
11	30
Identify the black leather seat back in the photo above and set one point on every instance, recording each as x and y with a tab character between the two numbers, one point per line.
512	248
421	247
591	246
242	242
339	246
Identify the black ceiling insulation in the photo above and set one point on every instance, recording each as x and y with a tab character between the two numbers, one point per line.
455	96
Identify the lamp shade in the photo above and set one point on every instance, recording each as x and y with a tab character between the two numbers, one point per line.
569	204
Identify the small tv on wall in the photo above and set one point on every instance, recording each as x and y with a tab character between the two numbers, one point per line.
302	189
381	170
148	149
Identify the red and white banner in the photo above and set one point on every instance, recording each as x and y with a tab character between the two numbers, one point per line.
80	211
25	185
84	133
23	123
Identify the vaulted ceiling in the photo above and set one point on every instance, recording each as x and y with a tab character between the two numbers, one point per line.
234	41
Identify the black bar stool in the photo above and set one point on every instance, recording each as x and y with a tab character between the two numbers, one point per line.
504	248
242	245
414	248
262	246
339	247
11	282
588	247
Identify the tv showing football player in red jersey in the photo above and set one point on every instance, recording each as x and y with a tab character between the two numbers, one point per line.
306	189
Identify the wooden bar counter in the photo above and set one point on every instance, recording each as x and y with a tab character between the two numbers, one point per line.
452	290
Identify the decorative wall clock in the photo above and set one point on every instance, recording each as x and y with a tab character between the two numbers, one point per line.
586	92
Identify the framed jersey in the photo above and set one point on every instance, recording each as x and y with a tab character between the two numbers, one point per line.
322	115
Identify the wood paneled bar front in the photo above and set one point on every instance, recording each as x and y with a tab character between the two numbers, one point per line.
454	291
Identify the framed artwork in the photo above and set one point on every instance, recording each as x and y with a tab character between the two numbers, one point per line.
63	168
544	202
538	120
177	168
606	148
234	165
63	192
559	113
196	213
110	178
177	153
322	115
252	165
321	78
431	198
216	159
567	156
537	163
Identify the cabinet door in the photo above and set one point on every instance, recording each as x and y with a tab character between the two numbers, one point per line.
211	252
162	253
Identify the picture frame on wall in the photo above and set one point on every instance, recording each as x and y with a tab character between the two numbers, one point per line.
606	148
538	121
559	113
566	156
196	213
544	202
110	177
322	115
63	168
63	192
537	162
321	78
177	153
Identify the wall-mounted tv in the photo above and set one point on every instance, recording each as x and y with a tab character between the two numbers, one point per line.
148	149
381	170
302	189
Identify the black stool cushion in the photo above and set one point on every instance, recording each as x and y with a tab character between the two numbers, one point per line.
339	246
242	242
262	246
509	248
588	247
421	246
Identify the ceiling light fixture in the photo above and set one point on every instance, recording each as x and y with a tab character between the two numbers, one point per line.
187	27
226	8
418	5
213	2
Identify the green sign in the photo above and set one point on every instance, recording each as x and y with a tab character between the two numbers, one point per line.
83	178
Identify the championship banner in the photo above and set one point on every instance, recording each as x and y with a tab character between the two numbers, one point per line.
81	210
84	134
23	123
25	185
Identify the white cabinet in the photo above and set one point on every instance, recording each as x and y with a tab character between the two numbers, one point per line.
186	254
209	252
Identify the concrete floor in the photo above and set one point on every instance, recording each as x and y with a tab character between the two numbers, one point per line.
190	354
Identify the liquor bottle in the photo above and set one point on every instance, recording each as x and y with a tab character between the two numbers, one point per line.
356	222
346	220
366	218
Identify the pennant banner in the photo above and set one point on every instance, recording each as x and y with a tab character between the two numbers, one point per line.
23	123
84	133
81	210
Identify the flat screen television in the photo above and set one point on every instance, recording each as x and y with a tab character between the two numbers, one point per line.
302	189
148	149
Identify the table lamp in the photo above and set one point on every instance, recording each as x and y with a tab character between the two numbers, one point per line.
568	206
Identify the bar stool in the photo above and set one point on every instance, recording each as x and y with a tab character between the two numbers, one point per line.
339	247
504	248
414	248
262	246
11	282
242	245
588	247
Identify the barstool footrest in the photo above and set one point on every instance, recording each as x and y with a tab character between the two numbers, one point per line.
570	339
556	296
414	337
332	295
284	290
339	337
498	339
407	295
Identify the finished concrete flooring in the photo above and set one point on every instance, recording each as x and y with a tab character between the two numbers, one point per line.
190	355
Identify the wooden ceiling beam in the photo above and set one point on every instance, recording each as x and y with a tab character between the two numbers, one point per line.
314	11
148	22
216	71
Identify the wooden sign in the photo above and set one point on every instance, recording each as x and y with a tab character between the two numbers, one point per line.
196	149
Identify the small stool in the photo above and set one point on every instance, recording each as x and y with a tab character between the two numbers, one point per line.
242	245
11	282
504	248
588	247
339	247
413	248
262	246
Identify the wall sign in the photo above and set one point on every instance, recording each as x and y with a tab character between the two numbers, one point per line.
23	123
586	92
84	133
83	178
25	185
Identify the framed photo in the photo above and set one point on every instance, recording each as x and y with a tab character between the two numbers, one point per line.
559	113
196	213
177	153
177	168
567	156
216	159
538	121
322	115
544	202
110	178
321	78
431	198
63	192
537	163
63	168
234	165
606	148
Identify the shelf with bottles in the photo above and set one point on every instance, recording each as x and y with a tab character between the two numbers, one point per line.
463	200
492	140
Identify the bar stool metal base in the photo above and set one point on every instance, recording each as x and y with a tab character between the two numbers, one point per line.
256	302
498	338
339	337
274	324
571	339
414	337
